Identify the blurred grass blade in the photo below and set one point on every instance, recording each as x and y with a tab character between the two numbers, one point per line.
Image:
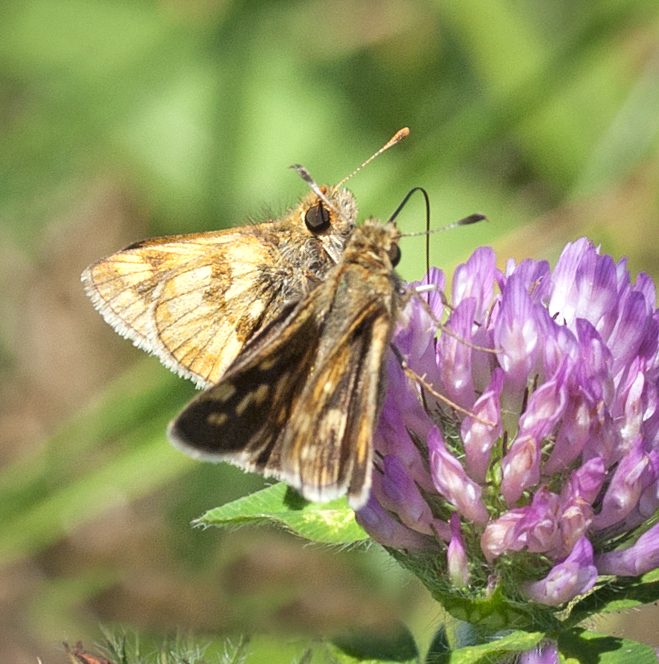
133	474
143	392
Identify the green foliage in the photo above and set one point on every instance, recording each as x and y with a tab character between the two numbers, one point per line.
587	647
576	646
123	649
617	595
328	523
496	649
395	645
47	492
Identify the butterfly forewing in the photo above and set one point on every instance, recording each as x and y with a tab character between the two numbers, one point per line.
195	300
327	448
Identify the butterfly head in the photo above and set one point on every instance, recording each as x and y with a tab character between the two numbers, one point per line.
333	212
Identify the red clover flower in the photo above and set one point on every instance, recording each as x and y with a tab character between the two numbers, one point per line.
543	486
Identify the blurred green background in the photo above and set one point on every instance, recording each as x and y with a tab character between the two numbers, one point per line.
126	119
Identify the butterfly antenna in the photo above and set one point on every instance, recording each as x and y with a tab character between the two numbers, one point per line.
471	219
402	205
306	176
396	138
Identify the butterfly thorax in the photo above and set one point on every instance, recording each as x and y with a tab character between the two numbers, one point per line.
364	287
373	246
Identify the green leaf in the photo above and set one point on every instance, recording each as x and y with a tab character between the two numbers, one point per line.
439	647
395	644
586	647
332	523
487	652
624	593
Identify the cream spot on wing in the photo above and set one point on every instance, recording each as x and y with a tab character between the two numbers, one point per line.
266	365
303	423
217	419
261	394
238	290
333	420
257	308
244	403
185	291
224	391
243	257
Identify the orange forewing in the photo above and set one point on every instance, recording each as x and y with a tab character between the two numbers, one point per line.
195	300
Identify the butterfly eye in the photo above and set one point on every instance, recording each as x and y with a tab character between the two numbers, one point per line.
317	218
394	254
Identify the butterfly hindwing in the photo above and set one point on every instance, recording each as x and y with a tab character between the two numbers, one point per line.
240	419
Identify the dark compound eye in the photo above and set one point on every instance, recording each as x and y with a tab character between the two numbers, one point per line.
394	254
317	218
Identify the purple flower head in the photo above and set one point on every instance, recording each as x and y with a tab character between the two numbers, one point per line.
479	435
538	468
384	528
517	336
400	494
451	481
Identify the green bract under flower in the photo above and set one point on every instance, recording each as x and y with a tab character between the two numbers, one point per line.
540	494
